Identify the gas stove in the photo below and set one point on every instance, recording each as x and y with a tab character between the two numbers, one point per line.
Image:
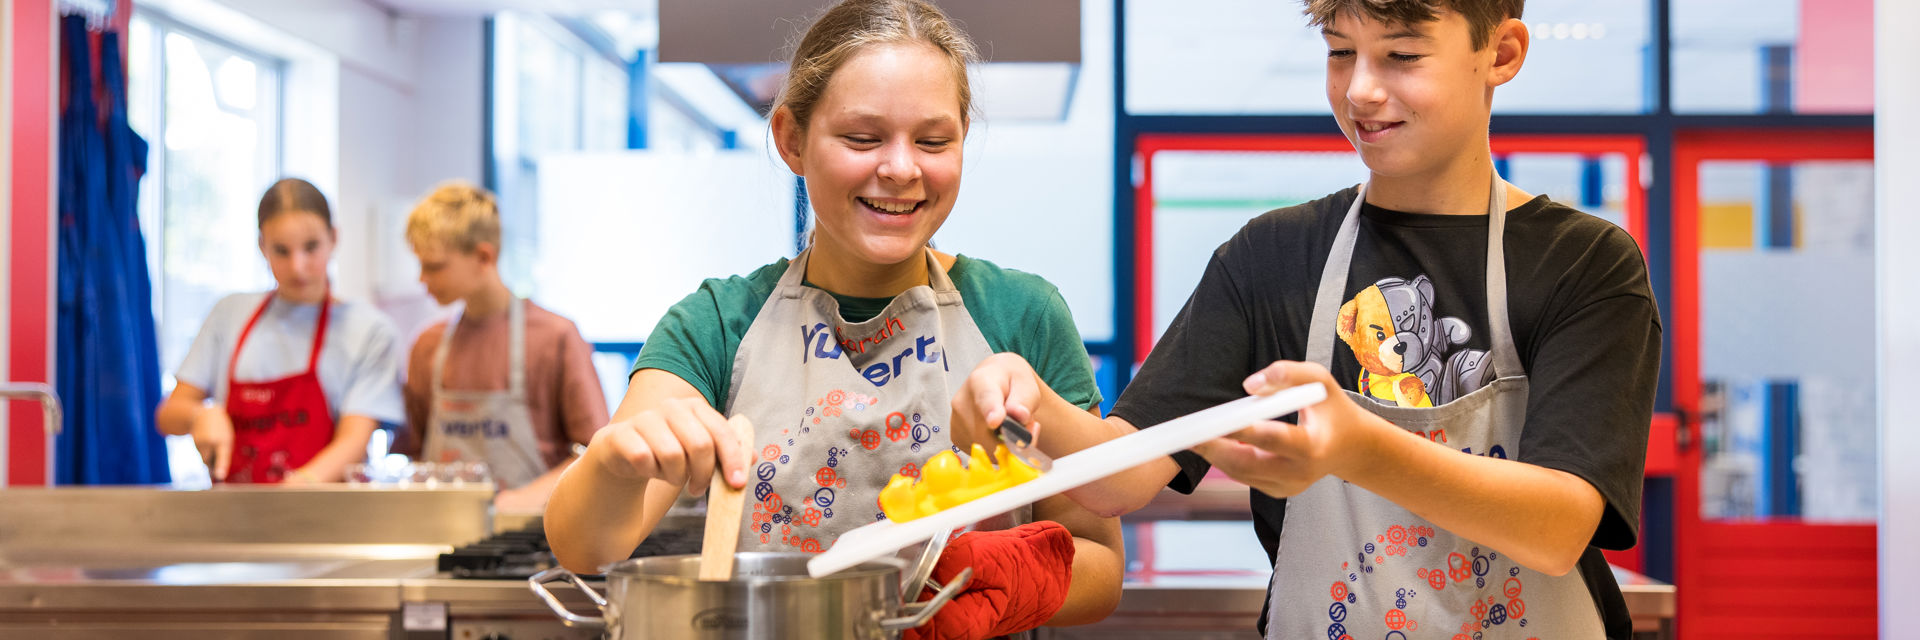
480	592
517	555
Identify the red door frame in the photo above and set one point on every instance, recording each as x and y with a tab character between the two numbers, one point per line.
29	238
1146	145
1760	578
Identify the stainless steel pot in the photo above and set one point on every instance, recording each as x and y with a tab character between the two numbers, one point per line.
770	597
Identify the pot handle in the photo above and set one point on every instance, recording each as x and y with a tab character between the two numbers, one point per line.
918	613
923	569
538	584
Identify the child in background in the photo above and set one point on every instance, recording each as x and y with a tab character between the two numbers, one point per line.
505	382
288	385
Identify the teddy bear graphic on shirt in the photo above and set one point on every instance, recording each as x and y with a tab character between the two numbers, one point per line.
1406	351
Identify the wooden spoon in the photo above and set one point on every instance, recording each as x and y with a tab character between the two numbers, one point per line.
724	504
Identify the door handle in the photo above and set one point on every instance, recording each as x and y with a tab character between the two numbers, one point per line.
1683	429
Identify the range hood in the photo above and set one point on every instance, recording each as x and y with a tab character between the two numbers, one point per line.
1031	48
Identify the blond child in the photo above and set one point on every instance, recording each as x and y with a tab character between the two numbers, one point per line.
504	382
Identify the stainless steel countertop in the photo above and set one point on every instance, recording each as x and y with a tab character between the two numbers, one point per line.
293	582
230	549
309	583
156	566
279	586
147	517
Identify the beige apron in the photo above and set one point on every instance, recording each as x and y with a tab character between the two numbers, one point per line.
1353	565
839	407
495	427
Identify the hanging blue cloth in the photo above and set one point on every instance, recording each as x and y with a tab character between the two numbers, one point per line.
126	164
108	369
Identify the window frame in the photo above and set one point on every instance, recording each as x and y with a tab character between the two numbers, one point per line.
153	194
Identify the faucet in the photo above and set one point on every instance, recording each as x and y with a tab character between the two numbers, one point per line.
49	401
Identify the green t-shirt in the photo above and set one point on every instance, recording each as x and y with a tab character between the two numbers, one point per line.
1016	311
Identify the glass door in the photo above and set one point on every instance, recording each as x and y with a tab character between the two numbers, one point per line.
1773	334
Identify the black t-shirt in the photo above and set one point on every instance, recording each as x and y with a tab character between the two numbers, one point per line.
1581	308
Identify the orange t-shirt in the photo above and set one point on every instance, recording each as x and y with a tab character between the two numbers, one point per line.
563	391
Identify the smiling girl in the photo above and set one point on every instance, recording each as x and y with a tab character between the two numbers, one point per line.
846	357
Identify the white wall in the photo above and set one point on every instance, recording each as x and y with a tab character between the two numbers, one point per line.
380	107
1038	196
449	100
1896	126
374	136
362	34
397	140
439	138
652	239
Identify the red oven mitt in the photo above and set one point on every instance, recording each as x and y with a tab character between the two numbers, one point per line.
1020	579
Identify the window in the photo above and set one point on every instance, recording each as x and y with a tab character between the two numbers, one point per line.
1787	430
211	113
1772	56
559	89
1594	184
1202	198
553	92
1256	57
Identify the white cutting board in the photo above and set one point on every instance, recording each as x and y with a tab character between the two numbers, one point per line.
885	537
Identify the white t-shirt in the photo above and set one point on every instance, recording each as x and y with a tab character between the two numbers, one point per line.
359	364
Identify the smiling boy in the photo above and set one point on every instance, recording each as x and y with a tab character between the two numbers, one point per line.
1500	353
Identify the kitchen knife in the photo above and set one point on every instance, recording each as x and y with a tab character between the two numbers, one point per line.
1019	442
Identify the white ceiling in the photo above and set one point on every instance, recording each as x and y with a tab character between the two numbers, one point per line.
549	7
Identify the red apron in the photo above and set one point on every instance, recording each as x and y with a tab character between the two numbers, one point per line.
278	425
